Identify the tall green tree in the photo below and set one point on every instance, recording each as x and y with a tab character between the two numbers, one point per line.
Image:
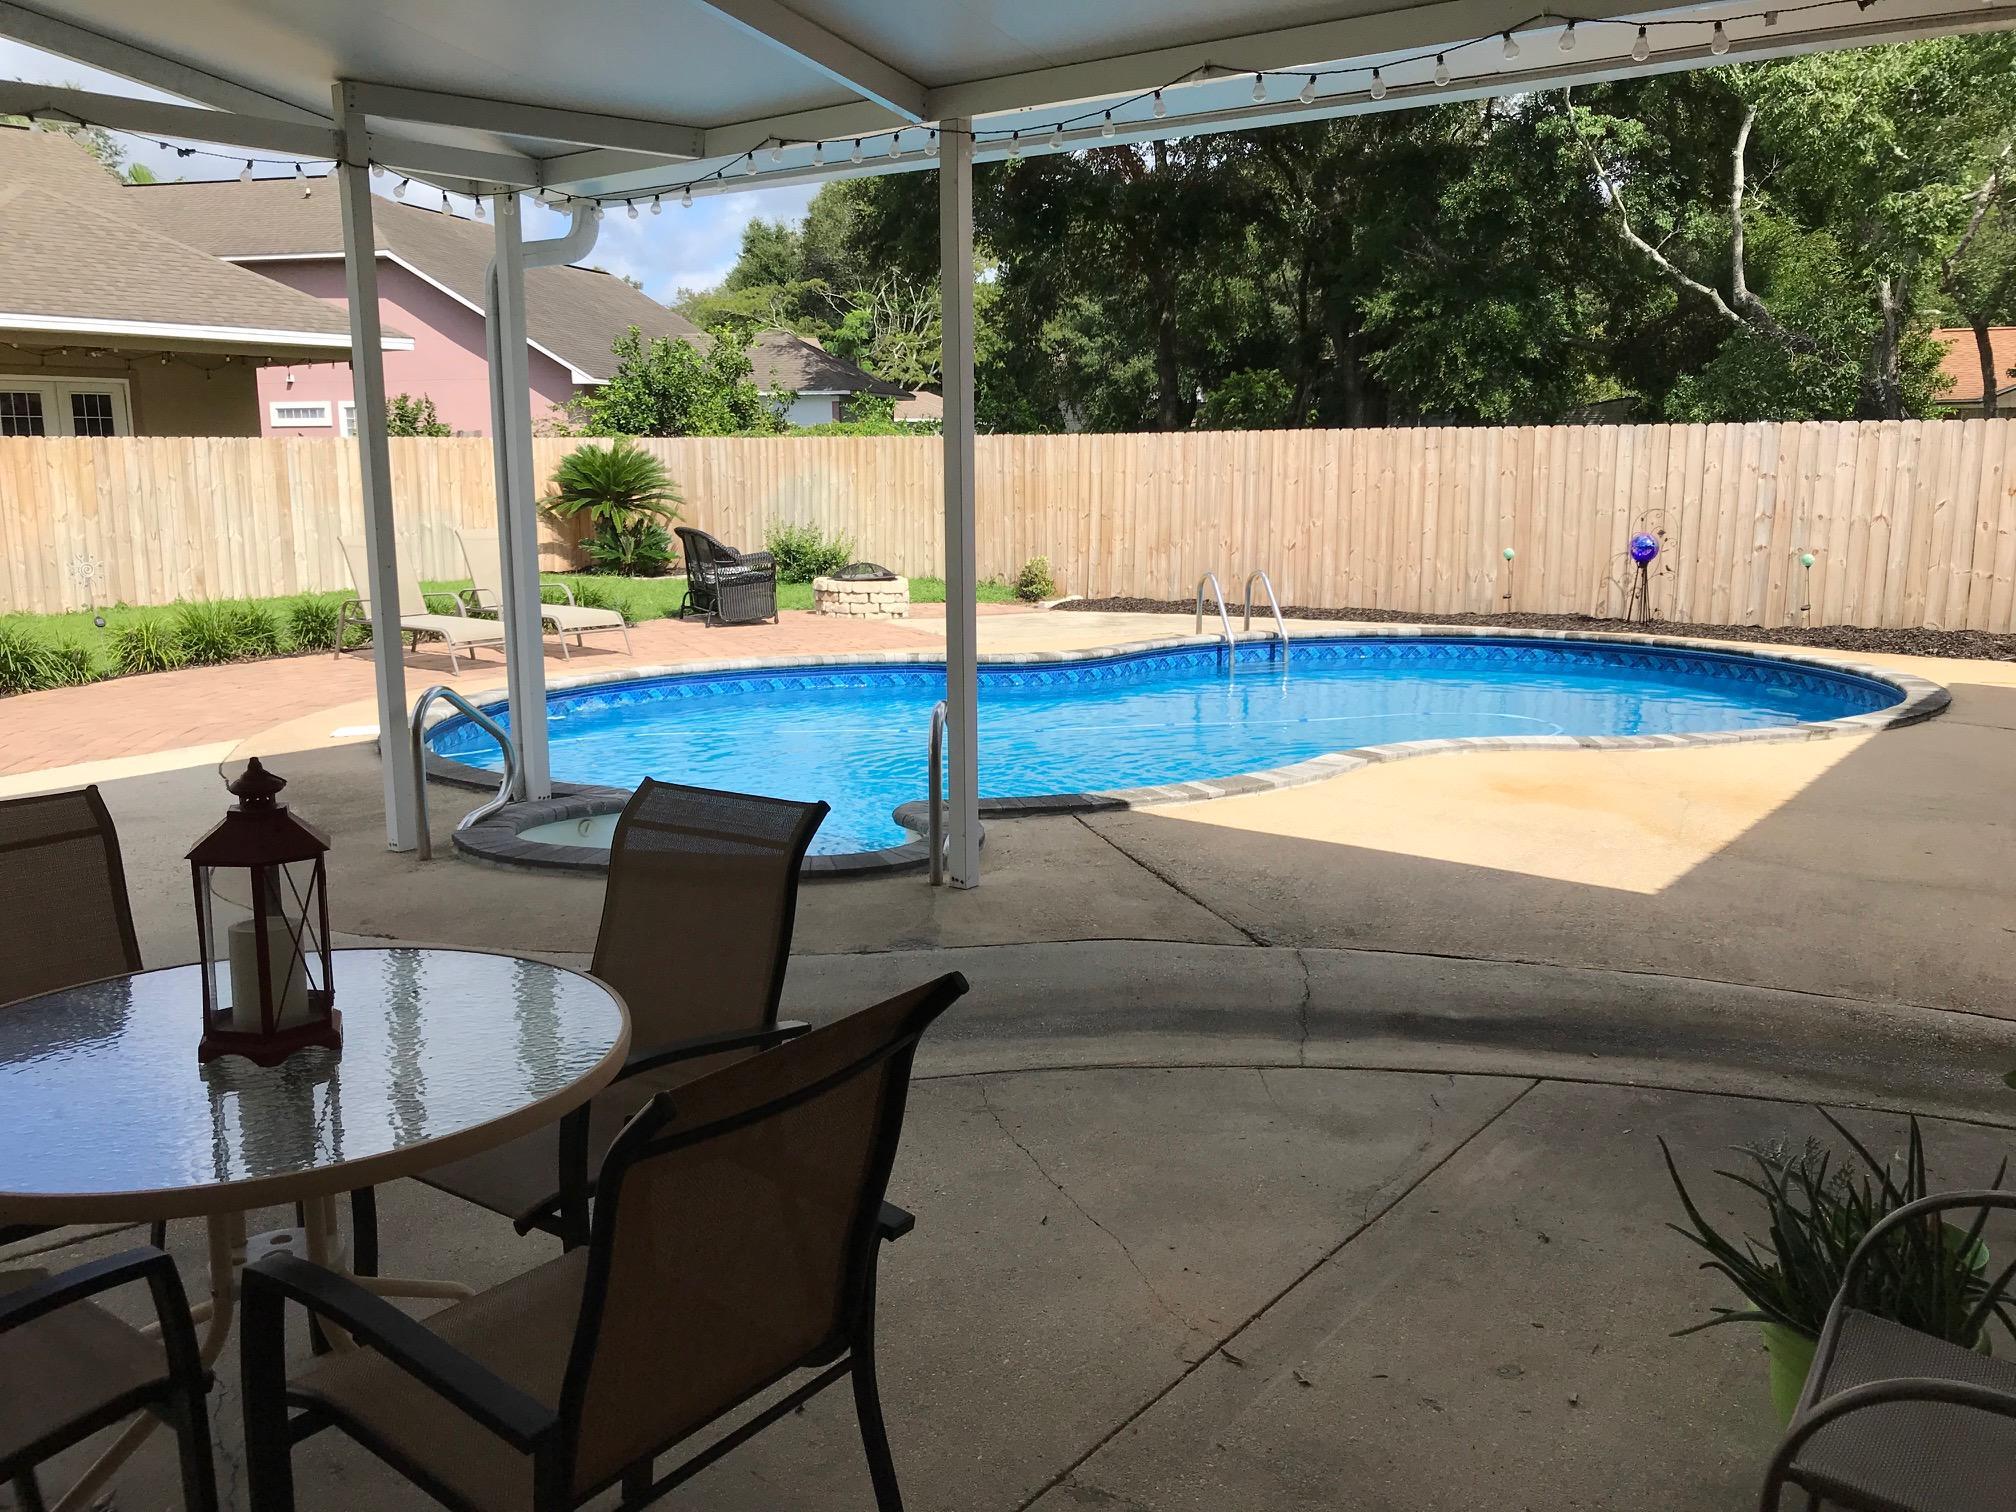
669	387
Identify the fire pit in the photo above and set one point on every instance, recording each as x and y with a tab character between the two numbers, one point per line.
864	590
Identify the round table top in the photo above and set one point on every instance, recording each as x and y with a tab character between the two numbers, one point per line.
105	1114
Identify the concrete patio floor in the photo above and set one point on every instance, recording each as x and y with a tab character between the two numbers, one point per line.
1299	1150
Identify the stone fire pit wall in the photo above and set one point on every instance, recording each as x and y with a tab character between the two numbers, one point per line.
888	598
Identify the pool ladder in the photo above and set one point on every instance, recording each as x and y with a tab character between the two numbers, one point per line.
937	826
1210	580
483	722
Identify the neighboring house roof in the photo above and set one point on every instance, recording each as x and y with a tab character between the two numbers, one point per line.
573	315
72	265
1962	362
920	406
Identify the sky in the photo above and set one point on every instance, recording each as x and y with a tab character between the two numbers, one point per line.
684	247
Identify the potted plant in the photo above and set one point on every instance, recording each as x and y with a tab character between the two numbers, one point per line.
1928	1276
628	498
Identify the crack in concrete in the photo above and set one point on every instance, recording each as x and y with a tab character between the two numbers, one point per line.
1172	884
1118	1243
1302	1009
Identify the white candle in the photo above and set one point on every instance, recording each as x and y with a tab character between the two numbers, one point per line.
290	975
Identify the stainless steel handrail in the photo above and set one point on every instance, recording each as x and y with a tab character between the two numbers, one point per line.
1224	619
483	722
1280	625
937	826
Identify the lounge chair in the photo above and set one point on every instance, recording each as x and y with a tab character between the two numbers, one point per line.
726	586
486	595
737	1233
460	631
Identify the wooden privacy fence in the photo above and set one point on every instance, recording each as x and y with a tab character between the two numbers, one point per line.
1909	523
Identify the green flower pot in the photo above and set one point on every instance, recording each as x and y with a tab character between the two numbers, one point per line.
1791	1355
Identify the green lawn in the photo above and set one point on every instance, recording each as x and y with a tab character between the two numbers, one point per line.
57	650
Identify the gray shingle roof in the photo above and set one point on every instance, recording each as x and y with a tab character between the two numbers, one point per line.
68	253
576	314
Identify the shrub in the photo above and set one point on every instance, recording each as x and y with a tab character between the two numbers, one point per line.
641	551
312	622
1034	582
147	644
21	666
207	633
255	629
628	497
65	664
803	553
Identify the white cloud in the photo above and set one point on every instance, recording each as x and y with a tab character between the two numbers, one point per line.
683	247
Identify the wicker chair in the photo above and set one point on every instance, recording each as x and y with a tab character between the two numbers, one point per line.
88	1370
695	935
726	586
1893	1420
736	1235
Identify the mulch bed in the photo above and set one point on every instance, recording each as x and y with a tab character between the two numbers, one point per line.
1973	645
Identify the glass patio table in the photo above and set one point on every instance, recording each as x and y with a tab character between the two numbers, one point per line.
106	1116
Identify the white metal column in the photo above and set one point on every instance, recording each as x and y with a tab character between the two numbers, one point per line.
367	371
517	522
955	251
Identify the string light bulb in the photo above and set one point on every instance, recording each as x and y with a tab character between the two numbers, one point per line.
657	204
1642	48
931	146
1511	47
1441	69
1259	89
1719	43
855	155
398	189
476	208
1568	37
895	145
1378	86
1161	109
1308	93
1056	138
377	170
776	152
630	207
298	174
748	163
1107	128
686	197
1015	145
818	154
245	173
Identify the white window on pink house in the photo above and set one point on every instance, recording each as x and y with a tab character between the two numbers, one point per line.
292	412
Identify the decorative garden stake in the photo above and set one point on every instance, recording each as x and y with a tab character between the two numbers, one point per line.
1806	561
267	987
1643	549
1509	554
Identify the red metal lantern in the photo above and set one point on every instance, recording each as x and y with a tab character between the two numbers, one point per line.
267	986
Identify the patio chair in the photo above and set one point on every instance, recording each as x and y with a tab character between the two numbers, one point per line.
695	935
486	595
726	586
64	914
1893	1420
460	632
73	1369
737	1229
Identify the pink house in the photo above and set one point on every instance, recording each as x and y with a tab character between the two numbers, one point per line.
431	269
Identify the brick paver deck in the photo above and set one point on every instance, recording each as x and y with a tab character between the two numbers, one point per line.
134	716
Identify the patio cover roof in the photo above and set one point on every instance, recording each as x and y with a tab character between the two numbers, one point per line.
616	100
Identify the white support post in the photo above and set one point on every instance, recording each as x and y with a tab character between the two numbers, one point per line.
517	522
962	626
381	544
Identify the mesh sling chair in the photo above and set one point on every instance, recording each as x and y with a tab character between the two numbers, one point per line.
726	586
1894	1420
64	915
695	936
736	1233
65	919
90	1370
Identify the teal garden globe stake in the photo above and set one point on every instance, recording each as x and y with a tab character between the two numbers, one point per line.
1806	561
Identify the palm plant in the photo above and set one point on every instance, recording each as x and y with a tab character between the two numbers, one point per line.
1926	1275
628	498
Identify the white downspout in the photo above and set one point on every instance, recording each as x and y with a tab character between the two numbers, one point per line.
511	428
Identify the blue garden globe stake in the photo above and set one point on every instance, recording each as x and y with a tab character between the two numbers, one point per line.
1638	603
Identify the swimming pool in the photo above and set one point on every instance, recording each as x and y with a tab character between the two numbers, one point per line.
855	734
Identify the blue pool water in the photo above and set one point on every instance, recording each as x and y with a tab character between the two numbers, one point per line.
856	736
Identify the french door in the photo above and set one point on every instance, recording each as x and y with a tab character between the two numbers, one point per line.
64	407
